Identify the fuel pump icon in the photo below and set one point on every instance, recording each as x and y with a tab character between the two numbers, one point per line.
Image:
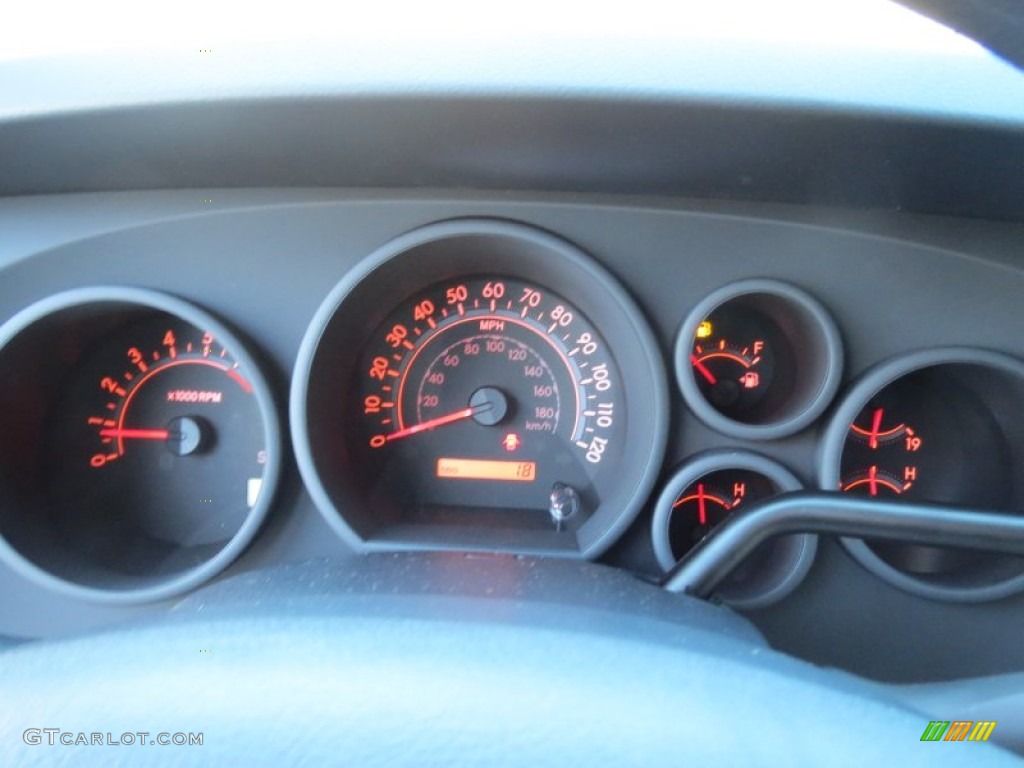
750	380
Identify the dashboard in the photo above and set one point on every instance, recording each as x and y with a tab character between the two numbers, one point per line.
368	365
301	288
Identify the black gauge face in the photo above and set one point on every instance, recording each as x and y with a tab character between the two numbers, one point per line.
161	437
480	385
936	426
917	439
883	453
758	359
147	453
489	392
741	361
702	495
706	502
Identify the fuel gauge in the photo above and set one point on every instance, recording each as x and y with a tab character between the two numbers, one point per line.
758	359
734	372
702	494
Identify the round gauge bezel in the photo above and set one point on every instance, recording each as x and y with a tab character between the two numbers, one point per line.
821	371
834	440
800	548
100	299
467	248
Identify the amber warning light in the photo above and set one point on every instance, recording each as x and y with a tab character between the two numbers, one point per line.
476	469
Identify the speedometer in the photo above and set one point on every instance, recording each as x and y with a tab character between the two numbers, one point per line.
491	379
513	400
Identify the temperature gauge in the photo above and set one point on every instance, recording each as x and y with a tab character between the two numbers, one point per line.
881	454
702	494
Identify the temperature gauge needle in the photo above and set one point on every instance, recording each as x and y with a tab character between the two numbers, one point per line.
703	370
440	421
873	480
136	434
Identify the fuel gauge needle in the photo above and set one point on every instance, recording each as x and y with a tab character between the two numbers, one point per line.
440	421
703	370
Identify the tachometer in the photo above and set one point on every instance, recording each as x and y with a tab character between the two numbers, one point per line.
490	407
145	451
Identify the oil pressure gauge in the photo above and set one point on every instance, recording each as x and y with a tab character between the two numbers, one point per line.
702	494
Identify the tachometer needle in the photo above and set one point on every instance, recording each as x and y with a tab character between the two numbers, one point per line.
136	434
702	513
440	421
703	370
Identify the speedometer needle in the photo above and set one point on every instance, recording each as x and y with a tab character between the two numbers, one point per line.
703	370
440	421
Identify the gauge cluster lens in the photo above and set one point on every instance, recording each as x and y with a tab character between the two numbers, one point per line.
758	359
480	385
702	494
148	452
938	426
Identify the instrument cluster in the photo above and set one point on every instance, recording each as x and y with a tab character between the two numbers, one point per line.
477	384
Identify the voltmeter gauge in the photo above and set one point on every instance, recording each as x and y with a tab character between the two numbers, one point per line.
702	494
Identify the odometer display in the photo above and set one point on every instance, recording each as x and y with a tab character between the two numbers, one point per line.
489	369
479	385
